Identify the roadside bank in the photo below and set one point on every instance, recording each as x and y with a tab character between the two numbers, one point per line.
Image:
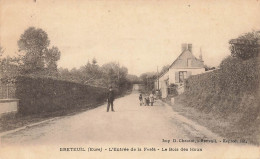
223	126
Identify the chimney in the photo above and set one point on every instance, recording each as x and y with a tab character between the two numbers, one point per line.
201	58
184	47
190	47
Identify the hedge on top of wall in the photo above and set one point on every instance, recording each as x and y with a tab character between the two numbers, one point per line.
39	95
231	89
234	77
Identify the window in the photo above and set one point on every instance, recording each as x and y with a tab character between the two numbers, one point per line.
182	76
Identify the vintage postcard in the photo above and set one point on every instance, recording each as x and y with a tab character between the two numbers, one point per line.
141	79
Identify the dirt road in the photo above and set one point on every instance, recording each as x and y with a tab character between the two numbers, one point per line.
129	125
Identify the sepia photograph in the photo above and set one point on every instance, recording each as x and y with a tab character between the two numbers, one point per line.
97	79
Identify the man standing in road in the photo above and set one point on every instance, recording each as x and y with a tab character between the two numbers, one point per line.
110	99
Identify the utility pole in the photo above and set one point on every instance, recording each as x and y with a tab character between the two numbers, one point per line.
7	69
157	78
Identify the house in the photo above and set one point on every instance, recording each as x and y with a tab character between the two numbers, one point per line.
184	66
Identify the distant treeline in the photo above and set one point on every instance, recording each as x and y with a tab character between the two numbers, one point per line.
36	58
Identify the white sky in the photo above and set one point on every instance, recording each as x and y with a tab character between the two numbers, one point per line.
141	35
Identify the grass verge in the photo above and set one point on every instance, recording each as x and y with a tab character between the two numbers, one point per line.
226	127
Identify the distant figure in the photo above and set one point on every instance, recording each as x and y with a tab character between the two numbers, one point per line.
110	99
146	99
141	99
151	99
157	94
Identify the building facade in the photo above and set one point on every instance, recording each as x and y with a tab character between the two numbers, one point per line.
184	66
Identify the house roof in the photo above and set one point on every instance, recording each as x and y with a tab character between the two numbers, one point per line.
163	73
171	64
177	59
186	50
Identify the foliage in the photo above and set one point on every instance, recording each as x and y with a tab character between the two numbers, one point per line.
253	36
38	95
148	79
36	57
114	74
34	43
235	76
229	93
51	57
240	76
172	90
132	78
9	68
247	50
34	40
109	74
230	90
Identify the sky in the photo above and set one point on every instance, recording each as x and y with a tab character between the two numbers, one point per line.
140	35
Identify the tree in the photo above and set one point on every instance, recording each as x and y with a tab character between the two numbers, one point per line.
148	79
254	36
110	71
245	46
51	57
122	74
110	74
64	74
92	74
37	58
114	74
34	43
132	78
9	68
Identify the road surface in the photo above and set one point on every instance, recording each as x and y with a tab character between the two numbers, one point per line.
130	123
